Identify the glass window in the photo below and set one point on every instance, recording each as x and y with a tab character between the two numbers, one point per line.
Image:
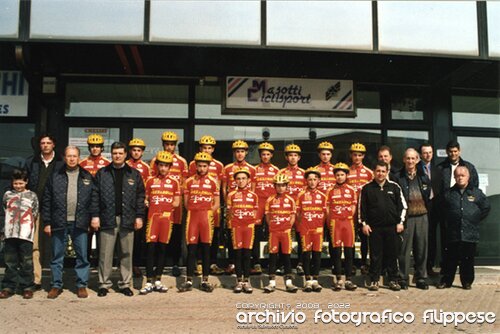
407	108
12	155
126	100
400	140
446	27
9	18
87	20
306	138
209	99
152	137
77	136
220	22
474	150
476	111
493	17
325	24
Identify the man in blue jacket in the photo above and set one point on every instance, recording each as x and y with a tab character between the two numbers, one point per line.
120	199
66	211
465	206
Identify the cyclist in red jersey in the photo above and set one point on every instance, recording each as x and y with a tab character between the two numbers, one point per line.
311	216
297	184
240	151
201	198
136	147
242	205
325	153
215	170
92	164
264	188
178	171
280	216
358	176
95	160
162	196
341	205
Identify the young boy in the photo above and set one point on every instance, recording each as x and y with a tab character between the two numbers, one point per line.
341	206
280	215
242	205
162	197
311	213
17	225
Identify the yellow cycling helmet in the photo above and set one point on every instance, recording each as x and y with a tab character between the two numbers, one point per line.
312	170
137	142
202	157
341	166
164	156
207	140
325	145
95	139
169	136
358	147
266	146
292	148
242	170
240	144
281	179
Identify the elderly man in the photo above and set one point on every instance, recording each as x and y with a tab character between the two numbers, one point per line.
465	206
66	211
120	197
416	188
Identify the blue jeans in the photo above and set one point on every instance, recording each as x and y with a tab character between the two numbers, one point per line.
82	266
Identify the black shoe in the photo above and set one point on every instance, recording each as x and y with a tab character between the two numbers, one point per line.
102	292
431	272
443	285
467	286
37	287
404	285
127	292
422	285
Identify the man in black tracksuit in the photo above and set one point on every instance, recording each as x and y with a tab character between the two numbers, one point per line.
381	212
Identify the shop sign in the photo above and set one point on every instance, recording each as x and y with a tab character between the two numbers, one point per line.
280	96
13	94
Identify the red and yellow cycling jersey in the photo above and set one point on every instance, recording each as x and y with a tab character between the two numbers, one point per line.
178	169
327	177
281	212
93	164
242	206
358	177
200	192
311	210
142	167
341	201
215	169
160	193
297	180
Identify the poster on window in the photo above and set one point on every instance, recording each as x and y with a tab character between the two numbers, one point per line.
13	94
78	137
278	96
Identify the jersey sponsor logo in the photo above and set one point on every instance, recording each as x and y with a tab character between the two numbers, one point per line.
313	215
161	199
199	198
207	186
240	213
318	202
279	219
264	185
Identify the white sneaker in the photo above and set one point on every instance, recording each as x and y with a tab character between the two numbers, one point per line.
146	289
238	287
247	287
316	287
308	286
160	287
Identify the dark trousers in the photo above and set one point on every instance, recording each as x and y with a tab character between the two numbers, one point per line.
434	224
18	265
258	237
139	247
383	249
461	254
174	247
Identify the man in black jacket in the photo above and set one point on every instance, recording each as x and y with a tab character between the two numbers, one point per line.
39	167
416	189
381	211
120	199
66	211
465	206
